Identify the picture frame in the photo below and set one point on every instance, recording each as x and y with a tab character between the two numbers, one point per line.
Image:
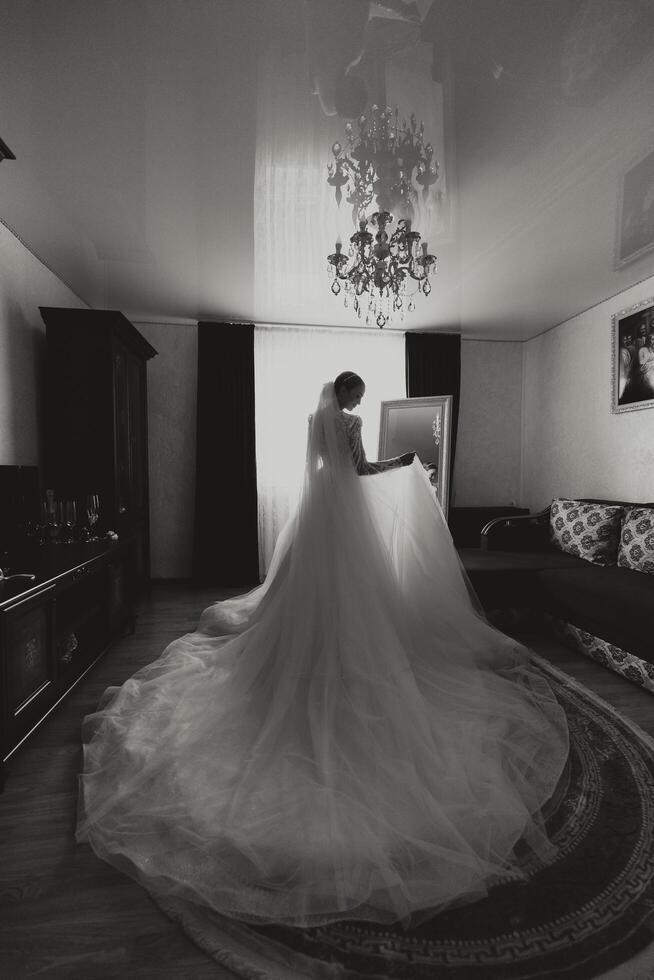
632	358
424	425
635	226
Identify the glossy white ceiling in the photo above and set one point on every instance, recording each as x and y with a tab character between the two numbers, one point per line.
140	129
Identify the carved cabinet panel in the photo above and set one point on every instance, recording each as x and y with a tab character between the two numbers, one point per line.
28	662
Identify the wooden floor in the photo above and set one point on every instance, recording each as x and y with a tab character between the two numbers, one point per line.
66	914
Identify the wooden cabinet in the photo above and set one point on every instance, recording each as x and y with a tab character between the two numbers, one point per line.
96	420
53	631
84	593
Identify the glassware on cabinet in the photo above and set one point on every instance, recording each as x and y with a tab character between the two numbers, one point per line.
50	518
92	514
65	521
70	519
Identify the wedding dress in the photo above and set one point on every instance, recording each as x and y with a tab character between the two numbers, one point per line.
351	739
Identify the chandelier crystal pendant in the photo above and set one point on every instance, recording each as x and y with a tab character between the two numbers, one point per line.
383	163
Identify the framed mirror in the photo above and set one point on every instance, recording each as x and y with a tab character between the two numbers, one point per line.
423	424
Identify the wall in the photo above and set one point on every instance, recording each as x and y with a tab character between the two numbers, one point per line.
171	435
487	461
25	284
572	443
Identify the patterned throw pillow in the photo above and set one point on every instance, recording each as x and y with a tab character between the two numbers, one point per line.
637	540
589	531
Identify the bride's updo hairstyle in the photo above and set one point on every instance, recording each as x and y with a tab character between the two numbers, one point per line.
349	380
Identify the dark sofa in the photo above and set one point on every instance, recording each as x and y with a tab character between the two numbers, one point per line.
605	611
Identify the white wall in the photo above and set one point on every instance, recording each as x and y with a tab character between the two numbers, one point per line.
487	461
572	443
172	384
25	284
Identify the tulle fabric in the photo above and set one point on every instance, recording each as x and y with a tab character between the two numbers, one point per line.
349	740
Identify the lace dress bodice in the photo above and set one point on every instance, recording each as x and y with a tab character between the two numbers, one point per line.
352	428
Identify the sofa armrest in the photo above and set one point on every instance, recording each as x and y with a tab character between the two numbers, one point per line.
528	533
465	523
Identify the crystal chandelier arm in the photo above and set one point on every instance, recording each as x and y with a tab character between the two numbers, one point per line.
338	261
421	267
416	271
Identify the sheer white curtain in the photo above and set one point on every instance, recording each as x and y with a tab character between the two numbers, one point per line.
290	366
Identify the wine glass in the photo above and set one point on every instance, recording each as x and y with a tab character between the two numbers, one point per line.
47	519
92	513
68	518
59	522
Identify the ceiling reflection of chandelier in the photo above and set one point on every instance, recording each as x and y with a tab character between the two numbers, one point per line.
383	162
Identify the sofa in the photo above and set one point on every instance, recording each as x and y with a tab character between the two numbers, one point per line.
584	568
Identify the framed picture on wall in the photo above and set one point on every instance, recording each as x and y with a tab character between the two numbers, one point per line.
632	357
423	424
635	233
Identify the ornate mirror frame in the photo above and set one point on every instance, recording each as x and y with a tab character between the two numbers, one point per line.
423	424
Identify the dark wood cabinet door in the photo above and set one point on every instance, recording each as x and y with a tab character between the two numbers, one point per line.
82	631
137	435
122	433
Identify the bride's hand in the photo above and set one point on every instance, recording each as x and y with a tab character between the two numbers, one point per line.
407	458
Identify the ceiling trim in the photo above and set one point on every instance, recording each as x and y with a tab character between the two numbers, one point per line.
600	302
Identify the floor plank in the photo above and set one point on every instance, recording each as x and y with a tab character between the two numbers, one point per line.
64	913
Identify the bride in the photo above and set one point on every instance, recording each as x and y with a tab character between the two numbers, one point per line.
351	739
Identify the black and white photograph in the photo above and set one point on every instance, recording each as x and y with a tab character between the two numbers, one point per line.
633	357
326	490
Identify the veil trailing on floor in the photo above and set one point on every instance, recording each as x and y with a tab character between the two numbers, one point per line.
349	740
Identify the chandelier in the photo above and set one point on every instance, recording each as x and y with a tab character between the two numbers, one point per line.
383	163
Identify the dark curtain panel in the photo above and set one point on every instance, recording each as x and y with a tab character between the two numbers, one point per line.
225	544
433	367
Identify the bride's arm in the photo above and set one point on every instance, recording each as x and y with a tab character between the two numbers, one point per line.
361	464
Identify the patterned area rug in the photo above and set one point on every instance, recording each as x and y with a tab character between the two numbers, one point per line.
588	914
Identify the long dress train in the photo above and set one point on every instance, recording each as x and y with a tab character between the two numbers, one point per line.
351	739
